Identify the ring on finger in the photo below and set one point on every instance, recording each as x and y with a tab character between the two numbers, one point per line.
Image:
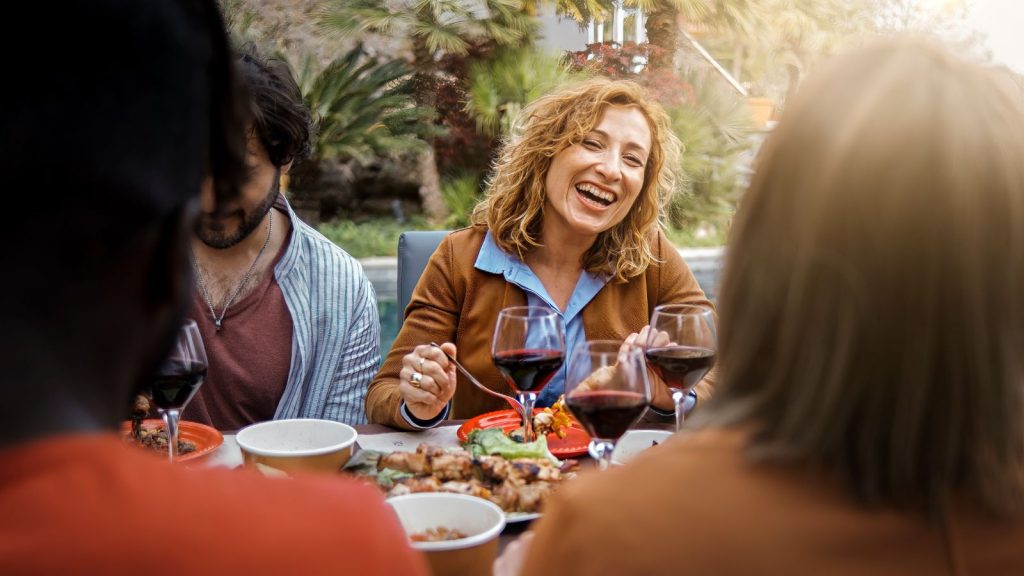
415	379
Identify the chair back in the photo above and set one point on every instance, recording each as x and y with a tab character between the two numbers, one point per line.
414	250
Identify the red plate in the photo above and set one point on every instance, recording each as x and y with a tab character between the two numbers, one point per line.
575	442
205	438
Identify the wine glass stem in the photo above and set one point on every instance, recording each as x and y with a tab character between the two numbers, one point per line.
171	425
603	449
528	400
679	397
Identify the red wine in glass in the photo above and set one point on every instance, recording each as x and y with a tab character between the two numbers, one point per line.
607	390
681	366
177	379
681	348
529	369
607	414
176	382
528	349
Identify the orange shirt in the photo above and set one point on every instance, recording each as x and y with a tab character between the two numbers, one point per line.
91	505
697	505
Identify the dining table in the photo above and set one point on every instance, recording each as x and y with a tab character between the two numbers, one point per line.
386	439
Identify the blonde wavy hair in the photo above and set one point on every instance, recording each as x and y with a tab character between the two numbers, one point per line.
513	208
871	316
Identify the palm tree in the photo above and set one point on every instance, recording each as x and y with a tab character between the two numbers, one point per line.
580	11
434	28
364	108
799	32
500	87
663	21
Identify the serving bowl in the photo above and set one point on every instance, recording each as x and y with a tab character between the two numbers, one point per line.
297	445
481	521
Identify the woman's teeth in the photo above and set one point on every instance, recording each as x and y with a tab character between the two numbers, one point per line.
596	194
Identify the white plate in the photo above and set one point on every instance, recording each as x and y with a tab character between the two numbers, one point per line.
515	517
635	442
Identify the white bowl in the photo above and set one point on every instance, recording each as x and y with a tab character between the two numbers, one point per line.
304	444
635	442
480	520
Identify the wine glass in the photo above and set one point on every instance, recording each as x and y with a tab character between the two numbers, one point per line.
528	348
177	379
681	348
607	390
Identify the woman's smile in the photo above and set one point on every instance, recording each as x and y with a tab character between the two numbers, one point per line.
592	185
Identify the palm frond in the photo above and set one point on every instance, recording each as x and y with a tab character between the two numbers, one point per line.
500	87
461	195
582	11
484	103
444	38
346	17
364	106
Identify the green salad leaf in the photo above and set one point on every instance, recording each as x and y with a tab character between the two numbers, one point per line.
387	476
365	464
494	441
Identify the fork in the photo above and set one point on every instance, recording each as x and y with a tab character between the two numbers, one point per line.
512	401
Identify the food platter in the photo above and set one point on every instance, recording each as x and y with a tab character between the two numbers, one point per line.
575	442
205	438
518	486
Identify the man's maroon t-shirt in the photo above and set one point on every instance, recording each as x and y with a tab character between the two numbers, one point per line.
249	358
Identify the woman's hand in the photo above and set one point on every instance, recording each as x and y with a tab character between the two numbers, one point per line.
427	380
661	394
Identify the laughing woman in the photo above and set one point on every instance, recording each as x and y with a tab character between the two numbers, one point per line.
869	416
570	222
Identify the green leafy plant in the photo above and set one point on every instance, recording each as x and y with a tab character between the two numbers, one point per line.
715	132
501	86
460	195
432	26
372	237
364	106
433	30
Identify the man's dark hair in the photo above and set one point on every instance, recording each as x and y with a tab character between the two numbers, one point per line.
125	137
103	162
280	117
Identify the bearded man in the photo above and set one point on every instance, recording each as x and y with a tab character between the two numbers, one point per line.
289	320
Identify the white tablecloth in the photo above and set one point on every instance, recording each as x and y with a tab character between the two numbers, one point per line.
230	456
227	456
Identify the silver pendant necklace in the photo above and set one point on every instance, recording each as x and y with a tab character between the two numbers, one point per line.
218	321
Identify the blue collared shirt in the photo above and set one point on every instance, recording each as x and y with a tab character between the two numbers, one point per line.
496	261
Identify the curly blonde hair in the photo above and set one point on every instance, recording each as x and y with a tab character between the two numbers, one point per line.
513	208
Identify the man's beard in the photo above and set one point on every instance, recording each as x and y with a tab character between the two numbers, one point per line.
250	221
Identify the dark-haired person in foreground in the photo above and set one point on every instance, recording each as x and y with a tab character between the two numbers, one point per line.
112	154
289	319
869	415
